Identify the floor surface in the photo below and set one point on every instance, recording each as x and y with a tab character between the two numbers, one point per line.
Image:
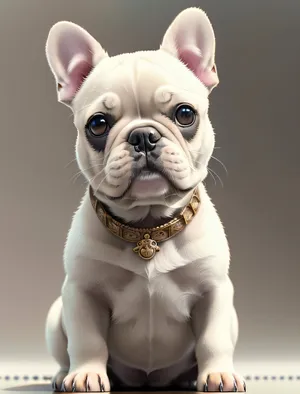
255	387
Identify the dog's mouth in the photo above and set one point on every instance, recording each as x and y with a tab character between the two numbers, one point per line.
147	174
148	184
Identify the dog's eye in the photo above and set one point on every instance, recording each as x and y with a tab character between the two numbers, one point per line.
98	125
185	115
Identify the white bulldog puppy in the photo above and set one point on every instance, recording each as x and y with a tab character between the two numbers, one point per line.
147	300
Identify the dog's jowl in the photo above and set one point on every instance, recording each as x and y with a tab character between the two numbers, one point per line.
147	300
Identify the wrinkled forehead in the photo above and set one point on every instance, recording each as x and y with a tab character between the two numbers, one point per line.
138	83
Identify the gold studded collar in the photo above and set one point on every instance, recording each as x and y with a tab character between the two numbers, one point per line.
147	239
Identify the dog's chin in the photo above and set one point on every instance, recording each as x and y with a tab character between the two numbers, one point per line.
148	185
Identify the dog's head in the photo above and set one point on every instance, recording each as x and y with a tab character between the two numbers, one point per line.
142	118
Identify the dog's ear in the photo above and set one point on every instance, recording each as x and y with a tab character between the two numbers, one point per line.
191	39
72	53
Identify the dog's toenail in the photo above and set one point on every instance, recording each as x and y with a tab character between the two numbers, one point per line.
87	386
205	388
102	388
74	387
221	387
245	387
235	389
63	387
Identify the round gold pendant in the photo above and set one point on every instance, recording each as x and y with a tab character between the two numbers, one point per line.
146	248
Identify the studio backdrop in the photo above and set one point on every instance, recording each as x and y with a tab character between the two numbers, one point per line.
255	114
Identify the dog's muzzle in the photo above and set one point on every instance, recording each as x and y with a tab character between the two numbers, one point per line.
144	139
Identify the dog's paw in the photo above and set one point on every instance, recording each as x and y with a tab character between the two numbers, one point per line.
221	381
58	379
85	382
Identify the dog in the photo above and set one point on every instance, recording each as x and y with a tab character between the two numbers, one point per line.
147	301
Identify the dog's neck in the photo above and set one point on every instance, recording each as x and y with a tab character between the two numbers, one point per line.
150	215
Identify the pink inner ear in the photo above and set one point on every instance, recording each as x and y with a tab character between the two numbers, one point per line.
79	68
193	61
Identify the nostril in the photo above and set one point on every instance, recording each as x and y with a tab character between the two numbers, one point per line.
134	139
154	137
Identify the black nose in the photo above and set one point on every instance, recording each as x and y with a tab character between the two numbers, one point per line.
144	139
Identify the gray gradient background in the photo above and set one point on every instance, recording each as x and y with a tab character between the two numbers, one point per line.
255	113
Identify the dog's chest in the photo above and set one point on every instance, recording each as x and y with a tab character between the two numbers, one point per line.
150	325
159	295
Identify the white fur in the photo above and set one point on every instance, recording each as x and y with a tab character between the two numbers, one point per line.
151	318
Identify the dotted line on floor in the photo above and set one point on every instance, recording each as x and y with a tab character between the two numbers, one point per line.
247	377
25	377
272	377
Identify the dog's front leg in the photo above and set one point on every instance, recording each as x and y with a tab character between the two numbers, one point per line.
86	321
216	329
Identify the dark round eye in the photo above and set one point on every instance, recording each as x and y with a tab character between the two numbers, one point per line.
185	115
98	125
